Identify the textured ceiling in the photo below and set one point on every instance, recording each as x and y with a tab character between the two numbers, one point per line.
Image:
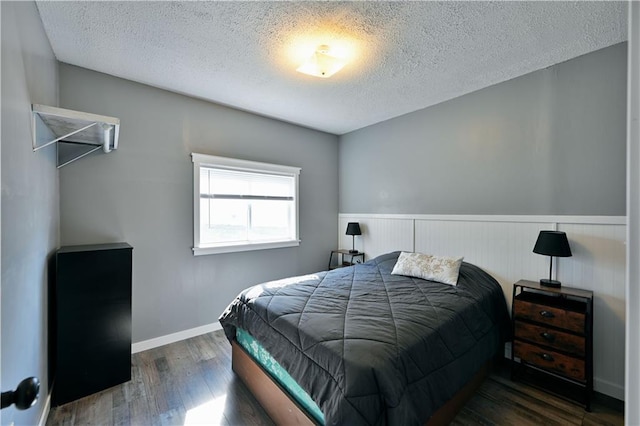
405	55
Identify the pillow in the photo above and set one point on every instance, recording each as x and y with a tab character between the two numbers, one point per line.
434	268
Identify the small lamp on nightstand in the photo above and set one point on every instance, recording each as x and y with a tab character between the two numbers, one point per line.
552	243
353	229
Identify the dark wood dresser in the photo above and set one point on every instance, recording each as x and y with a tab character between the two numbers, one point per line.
91	315
553	339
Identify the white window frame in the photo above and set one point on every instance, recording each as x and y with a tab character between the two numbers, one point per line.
200	160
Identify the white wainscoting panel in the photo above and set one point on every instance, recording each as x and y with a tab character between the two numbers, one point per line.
502	245
378	235
503	249
598	264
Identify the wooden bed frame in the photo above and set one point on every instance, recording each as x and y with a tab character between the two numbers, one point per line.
284	410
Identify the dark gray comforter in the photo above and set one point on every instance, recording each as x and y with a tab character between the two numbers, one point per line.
374	348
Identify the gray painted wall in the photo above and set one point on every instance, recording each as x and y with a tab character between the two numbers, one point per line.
30	206
142	194
548	143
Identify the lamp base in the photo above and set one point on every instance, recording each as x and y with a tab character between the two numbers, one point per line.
354	251
550	283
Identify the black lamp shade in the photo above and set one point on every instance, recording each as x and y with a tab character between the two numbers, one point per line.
353	228
552	243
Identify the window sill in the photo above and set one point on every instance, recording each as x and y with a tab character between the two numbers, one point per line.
232	248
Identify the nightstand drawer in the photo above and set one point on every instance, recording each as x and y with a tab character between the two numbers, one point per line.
548	315
550	360
549	337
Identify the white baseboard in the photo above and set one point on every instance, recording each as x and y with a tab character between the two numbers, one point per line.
174	337
45	411
608	388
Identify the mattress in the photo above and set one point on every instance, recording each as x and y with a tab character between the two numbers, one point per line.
279	374
373	348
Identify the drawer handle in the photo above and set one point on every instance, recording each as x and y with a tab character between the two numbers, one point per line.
547	314
548	336
546	357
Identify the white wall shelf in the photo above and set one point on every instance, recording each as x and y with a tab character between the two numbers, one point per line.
75	134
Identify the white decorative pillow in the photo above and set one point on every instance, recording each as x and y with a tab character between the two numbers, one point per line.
434	268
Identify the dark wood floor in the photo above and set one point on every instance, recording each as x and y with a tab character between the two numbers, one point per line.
191	383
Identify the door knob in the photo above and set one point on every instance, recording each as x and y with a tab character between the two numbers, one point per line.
25	395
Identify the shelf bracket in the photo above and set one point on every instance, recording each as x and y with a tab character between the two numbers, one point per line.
76	134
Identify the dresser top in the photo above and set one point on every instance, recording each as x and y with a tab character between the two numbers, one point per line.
94	247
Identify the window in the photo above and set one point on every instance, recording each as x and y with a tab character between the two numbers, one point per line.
243	205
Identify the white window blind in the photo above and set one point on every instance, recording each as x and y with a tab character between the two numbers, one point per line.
241	205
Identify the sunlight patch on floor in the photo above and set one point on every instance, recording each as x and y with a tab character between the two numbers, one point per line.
210	413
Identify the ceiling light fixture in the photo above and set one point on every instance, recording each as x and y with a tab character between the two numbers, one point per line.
321	63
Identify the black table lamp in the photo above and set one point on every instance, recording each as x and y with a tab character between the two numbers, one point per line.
552	243
353	229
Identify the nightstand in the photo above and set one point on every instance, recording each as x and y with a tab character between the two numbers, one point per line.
553	339
345	258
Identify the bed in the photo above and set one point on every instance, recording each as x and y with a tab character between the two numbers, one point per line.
365	346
